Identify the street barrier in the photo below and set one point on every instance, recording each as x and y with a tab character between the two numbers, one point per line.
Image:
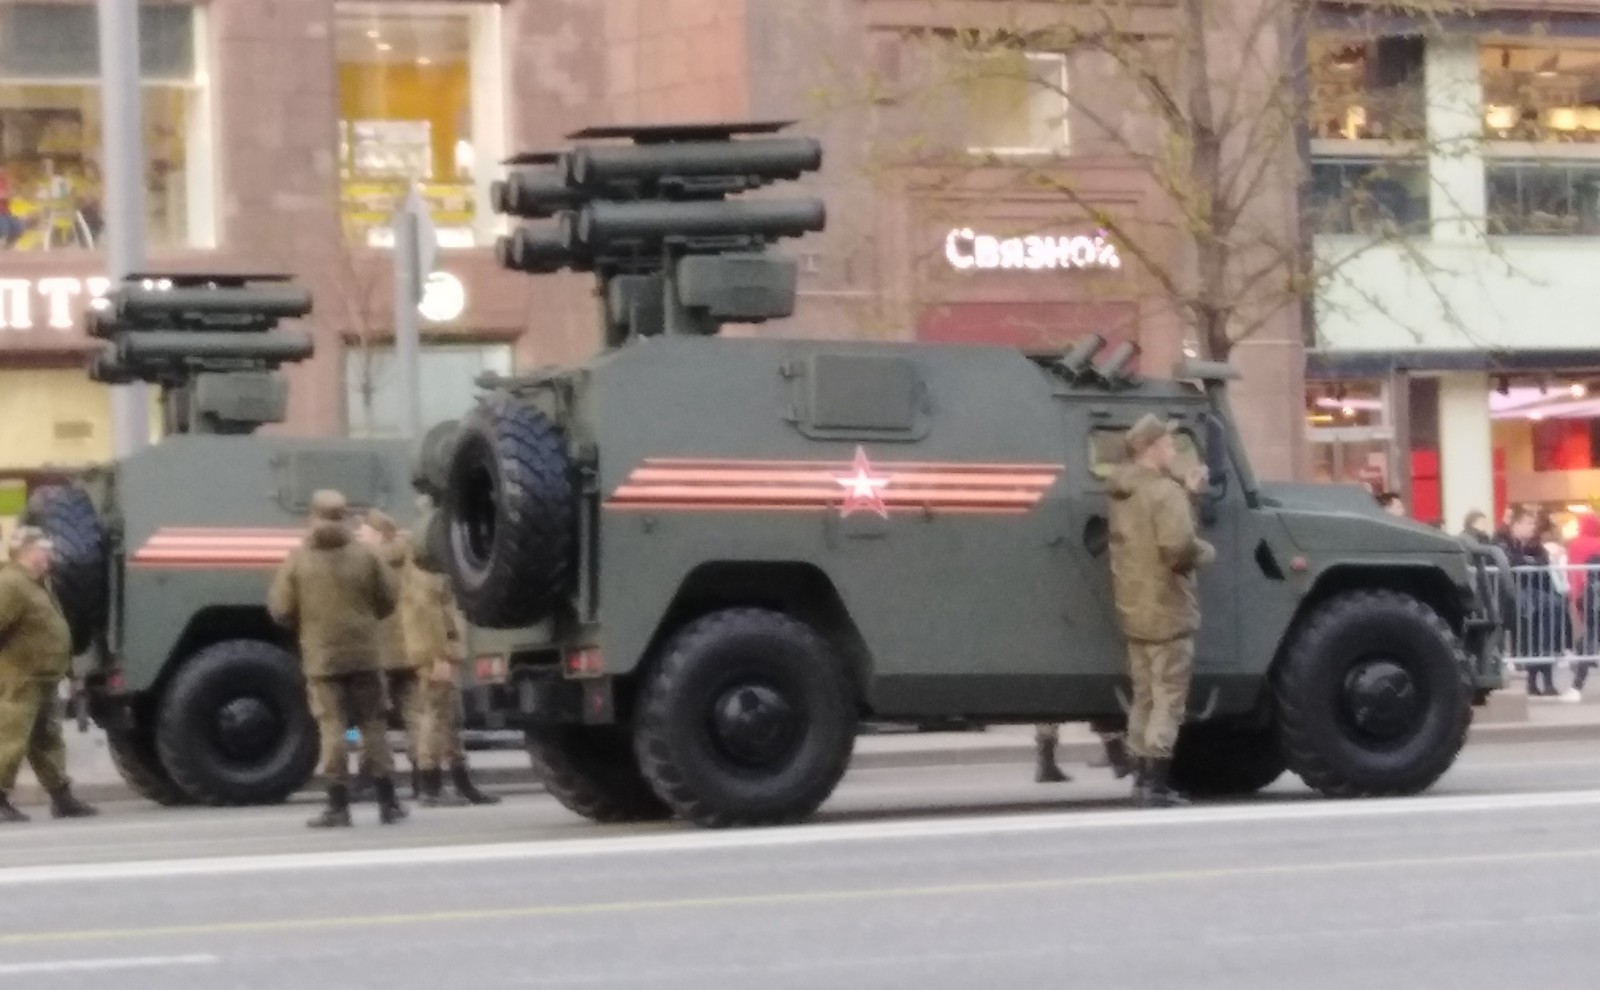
1556	617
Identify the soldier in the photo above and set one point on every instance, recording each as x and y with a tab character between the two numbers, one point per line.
1047	735
333	592
1154	556
402	678
35	654
432	634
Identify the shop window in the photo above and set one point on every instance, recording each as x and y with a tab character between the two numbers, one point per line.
1549	92
1367	89
1543	198
1016	102
446	371
51	172
1369	196
1108	448
420	101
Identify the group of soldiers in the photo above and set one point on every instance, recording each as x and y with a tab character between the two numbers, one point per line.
1155	556
375	631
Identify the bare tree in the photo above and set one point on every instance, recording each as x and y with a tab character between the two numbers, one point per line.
1208	100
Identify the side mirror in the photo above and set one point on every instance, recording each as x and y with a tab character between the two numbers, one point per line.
1216	470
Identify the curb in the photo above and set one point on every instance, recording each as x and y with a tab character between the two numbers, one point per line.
1018	752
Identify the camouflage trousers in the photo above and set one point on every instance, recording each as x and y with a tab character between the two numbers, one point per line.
407	695
1161	674
30	728
441	736
350	700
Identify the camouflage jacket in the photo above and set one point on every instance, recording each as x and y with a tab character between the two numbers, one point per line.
35	642
1154	555
391	642
427	616
333	593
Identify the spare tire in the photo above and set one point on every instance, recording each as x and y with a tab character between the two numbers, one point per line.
430	459
78	567
430	547
510	509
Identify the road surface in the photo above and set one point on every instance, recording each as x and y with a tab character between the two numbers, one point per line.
925	878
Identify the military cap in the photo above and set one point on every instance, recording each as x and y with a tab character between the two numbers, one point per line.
1145	433
329	505
382	522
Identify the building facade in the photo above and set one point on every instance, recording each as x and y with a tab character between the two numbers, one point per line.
1457	169
279	135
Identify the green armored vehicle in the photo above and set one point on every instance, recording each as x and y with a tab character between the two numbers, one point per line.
740	549
163	559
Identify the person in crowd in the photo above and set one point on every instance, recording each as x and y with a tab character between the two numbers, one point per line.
1476	527
1543	629
1583	559
1392	503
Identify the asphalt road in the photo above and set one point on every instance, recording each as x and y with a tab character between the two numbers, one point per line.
926	878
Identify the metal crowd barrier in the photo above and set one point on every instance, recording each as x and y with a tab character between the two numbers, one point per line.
1556	617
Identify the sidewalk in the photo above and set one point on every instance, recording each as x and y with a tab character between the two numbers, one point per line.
1512	717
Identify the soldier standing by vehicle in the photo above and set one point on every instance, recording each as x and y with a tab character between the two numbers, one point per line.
332	592
401	674
1154	555
35	653
432	633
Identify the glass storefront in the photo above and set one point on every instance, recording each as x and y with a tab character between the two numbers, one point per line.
51	175
419	102
1350	433
1366	89
446	371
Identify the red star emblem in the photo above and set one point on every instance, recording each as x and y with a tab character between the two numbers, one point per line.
861	488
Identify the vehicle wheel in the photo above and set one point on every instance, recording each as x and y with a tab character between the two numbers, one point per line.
593	771
134	756
430	546
430	461
1225	761
235	727
747	719
1374	698
511	511
78	570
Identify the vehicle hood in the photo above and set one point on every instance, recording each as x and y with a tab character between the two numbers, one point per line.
1347	518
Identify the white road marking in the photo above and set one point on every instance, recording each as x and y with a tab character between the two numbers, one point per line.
686	840
98	965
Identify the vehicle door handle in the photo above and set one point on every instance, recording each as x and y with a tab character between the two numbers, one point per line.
1096	535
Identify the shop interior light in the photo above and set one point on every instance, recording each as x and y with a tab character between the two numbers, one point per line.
424	60
1578	390
373	33
384	46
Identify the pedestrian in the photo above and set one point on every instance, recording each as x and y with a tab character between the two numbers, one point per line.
1392	503
433	641
1155	554
1047	735
1476	527
35	654
403	688
1583	556
332	592
1543	629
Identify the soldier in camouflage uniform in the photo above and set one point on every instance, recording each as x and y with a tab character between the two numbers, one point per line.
403	686
432	634
35	654
1155	553
333	592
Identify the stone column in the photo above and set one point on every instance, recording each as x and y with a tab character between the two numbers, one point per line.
1466	447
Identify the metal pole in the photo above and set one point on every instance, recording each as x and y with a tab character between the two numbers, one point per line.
407	290
123	167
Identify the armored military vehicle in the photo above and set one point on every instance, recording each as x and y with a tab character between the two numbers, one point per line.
741	548
163	559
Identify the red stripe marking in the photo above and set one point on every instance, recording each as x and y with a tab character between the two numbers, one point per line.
847	466
769	476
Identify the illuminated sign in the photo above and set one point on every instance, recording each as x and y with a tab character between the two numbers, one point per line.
965	250
444	298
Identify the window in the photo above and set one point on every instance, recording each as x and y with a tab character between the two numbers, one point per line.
1016	102
50	128
1546	92
1367	89
446	371
1369	196
420	100
1543	198
1107	449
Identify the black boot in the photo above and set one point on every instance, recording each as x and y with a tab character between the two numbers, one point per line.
466	788
8	811
63	804
390	810
1161	793
433	795
416	782
1046	771
1141	782
337	813
1117	756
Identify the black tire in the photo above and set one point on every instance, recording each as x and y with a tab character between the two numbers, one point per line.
430	459
1374	698
511	509
594	772
757	671
430	546
78	570
235	727
1225	761
134	756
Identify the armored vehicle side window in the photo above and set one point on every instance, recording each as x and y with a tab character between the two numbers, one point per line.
1106	451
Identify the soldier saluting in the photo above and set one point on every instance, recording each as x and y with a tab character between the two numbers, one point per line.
1154	556
35	653
333	592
